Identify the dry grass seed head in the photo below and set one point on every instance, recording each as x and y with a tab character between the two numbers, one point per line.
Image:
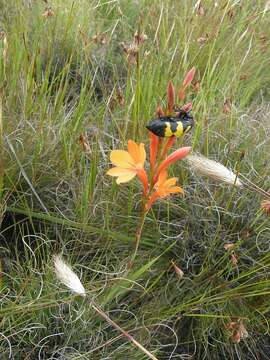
213	170
66	276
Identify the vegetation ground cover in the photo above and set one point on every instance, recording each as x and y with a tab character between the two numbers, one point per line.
70	94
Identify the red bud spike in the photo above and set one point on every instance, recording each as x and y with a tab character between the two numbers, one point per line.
170	96
189	77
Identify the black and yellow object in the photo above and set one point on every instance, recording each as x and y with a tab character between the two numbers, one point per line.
168	126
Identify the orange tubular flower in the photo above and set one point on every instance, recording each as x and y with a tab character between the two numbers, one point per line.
154	143
163	187
176	155
167	146
129	163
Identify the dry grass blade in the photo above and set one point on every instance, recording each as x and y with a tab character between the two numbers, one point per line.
125	333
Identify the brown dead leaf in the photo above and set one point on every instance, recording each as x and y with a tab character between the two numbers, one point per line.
84	144
177	270
48	12
227	106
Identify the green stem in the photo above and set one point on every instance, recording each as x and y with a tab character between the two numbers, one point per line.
1	172
138	234
1	147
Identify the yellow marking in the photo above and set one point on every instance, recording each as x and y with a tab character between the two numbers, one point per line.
179	130
168	131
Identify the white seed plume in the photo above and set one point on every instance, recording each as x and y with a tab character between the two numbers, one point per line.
213	169
65	274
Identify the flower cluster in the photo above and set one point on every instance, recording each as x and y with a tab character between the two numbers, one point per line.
172	122
131	163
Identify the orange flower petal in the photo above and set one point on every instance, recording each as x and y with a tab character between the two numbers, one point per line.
176	189
176	155
166	191
142	154
137	152
161	179
168	145
152	199
165	187
122	159
170	182
117	171
141	173
125	178
154	142
134	151
162	192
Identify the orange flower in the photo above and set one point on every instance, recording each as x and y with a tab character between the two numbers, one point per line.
154	144
167	146
176	155
129	163
163	187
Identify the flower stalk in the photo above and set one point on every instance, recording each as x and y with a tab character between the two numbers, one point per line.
138	233
131	163
3	63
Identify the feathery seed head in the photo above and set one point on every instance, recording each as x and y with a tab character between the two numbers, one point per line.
66	275
213	170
